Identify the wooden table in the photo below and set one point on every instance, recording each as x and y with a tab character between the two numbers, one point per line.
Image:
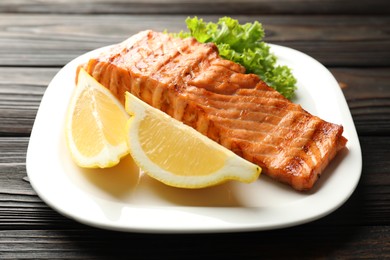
351	38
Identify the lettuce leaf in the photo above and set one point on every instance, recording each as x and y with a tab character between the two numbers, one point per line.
243	44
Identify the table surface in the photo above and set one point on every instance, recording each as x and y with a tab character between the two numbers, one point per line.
352	40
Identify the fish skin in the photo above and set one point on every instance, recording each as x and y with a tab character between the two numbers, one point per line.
191	82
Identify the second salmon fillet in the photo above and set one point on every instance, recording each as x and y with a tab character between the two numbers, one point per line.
191	82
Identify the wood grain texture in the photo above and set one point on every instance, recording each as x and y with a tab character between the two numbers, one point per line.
21	91
38	37
197	6
368	96
54	40
98	244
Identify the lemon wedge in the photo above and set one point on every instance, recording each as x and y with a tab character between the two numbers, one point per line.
178	155
95	128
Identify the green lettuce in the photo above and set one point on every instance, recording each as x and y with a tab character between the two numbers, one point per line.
243	44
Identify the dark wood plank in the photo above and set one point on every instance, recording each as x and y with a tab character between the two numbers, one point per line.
368	95
351	38
21	90
362	242
53	40
198	6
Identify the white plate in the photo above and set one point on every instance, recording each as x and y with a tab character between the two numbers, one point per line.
121	199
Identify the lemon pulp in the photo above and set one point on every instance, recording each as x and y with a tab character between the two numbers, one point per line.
96	125
158	141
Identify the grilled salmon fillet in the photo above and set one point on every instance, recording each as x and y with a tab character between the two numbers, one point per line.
191	82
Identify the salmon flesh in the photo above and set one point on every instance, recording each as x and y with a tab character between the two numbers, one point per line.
190	81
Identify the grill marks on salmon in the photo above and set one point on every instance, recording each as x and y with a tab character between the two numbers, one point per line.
189	81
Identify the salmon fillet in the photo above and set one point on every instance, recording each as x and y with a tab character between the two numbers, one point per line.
191	82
